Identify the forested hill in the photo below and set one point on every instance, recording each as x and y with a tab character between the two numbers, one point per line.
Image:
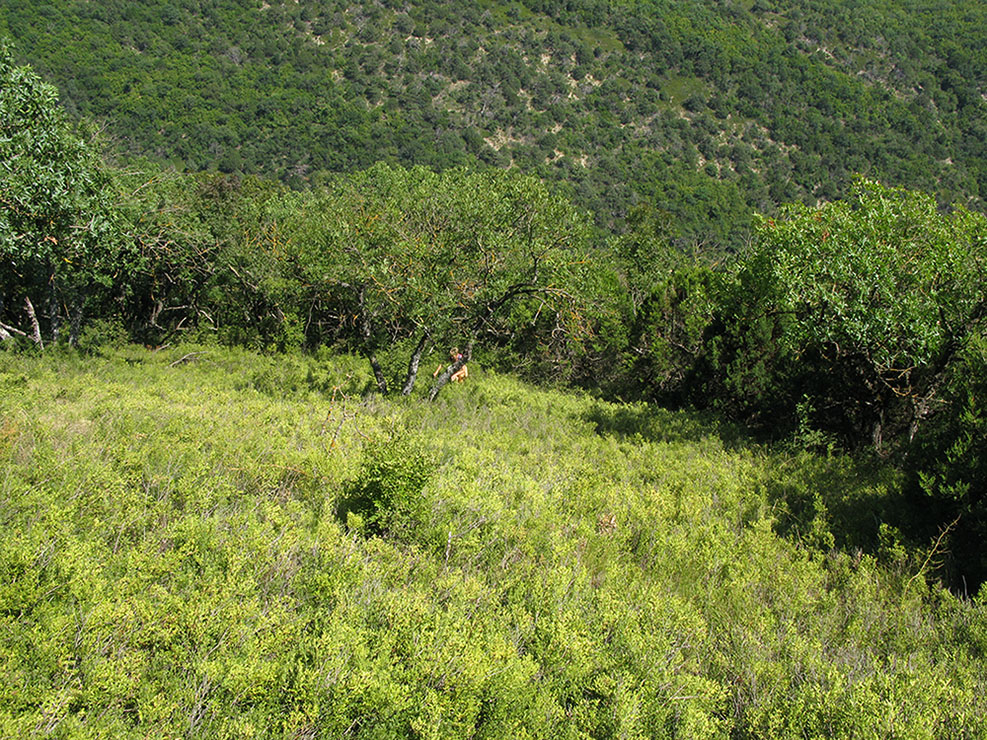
698	113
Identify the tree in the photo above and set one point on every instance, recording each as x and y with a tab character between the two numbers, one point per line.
210	256
394	255
667	297
859	308
59	239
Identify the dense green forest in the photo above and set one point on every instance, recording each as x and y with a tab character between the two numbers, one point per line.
716	472
699	112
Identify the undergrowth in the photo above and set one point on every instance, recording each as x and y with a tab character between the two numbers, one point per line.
203	542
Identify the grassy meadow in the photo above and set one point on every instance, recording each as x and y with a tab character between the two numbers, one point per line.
205	542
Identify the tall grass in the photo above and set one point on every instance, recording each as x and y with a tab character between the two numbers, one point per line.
178	561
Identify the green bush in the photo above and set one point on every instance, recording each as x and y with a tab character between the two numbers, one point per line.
949	470
846	319
387	495
101	333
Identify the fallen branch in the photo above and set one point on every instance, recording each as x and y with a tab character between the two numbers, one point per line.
187	358
343	418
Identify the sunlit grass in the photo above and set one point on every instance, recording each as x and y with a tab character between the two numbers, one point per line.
175	564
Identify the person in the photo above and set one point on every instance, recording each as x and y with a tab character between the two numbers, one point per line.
461	374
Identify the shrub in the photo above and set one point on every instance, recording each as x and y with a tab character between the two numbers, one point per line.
102	333
387	493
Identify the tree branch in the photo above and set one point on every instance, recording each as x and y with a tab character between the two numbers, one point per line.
5	332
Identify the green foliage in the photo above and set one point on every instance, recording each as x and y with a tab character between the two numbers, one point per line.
59	240
211	247
704	110
387	494
671	324
174	564
948	469
459	258
101	334
182	550
857	308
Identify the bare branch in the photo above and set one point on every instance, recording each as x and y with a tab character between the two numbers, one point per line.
190	357
5	331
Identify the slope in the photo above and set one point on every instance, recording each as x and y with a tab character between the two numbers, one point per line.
700	111
178	560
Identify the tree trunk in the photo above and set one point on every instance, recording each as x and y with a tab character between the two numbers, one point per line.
413	363
35	326
877	433
75	324
368	350
450	371
54	315
378	372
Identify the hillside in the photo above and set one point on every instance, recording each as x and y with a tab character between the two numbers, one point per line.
695	114
205	542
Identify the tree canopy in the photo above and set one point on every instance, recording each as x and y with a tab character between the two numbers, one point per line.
858	307
392	255
56	218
